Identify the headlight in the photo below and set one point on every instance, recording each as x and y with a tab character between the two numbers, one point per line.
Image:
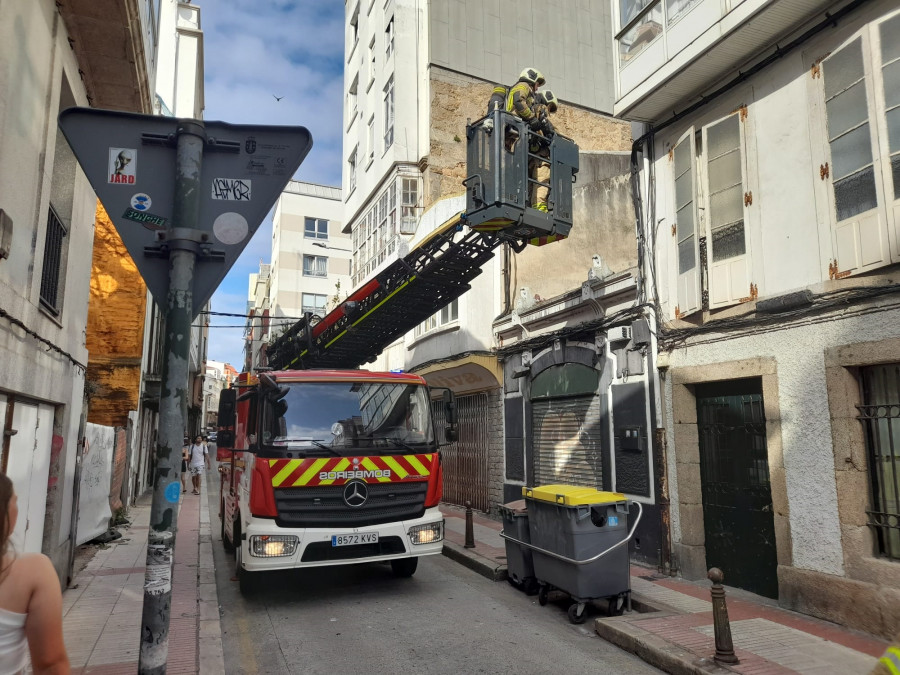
427	534
272	545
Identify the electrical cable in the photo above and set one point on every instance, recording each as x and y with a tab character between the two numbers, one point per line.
16	322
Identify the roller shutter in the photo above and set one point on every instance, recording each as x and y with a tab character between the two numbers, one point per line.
567	441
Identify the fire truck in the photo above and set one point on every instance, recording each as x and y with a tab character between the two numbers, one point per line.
326	464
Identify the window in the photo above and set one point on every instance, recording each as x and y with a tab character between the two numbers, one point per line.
726	208
686	238
389	39
447	315
409	206
391	228
641	21
382	218
353	32
314	302
881	423
315	228
677	8
351	170
389	113
371	62
315	266
53	257
371	138
860	87
352	100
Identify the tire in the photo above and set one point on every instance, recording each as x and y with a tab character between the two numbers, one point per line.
404	567
248	582
543	593
530	586
574	616
616	606
227	544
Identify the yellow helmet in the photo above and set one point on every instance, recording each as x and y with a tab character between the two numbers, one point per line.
532	76
550	100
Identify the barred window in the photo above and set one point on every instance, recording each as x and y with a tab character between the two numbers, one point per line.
52	267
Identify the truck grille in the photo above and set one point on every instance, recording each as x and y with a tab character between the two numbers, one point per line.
323	505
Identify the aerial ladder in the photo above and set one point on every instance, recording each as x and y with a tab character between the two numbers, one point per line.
441	267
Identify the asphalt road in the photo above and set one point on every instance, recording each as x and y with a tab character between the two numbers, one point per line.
360	619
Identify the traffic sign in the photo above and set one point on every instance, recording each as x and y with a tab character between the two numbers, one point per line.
130	161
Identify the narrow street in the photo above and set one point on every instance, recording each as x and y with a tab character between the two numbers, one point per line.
445	619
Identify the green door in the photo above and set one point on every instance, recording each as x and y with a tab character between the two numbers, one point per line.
734	478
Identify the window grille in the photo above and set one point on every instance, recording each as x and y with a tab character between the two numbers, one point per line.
880	416
53	255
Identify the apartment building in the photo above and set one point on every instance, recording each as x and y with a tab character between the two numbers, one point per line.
770	208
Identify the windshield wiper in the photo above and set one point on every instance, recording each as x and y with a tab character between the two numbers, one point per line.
397	443
318	443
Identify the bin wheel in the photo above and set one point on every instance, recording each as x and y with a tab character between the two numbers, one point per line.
577	613
616	606
543	592
530	586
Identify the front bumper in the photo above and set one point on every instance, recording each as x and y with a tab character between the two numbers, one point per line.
313	542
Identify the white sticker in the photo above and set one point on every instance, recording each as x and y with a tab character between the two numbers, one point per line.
231	189
158	574
141	201
122	166
230	228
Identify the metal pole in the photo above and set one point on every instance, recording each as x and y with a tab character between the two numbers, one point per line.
173	401
470	528
721	626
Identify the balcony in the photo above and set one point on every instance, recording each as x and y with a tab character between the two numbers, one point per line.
672	51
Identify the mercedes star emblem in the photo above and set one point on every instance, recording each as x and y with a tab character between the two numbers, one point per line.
355	494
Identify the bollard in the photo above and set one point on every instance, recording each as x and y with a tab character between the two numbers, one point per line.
470	528
724	645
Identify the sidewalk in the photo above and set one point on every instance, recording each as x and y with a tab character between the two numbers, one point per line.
674	628
102	610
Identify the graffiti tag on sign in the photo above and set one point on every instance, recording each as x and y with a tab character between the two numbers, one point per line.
231	189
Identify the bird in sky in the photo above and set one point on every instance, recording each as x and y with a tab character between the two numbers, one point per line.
277	98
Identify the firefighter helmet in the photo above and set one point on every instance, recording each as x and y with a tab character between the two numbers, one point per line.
550	100
532	76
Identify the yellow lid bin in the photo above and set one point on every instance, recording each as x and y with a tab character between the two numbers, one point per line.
572	495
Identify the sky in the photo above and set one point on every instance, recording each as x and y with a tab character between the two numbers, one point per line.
255	50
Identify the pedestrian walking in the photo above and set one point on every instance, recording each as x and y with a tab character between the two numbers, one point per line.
30	602
185	455
199	457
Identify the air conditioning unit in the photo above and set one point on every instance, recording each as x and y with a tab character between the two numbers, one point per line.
620	334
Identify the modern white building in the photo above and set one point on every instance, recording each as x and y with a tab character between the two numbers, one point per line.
257	327
415	73
310	254
49	62
771	206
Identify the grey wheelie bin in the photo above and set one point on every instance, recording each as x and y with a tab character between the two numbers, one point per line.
578	544
519	564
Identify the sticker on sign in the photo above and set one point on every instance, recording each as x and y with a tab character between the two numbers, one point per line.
122	166
231	189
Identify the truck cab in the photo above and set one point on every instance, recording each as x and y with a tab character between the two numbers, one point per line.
329	468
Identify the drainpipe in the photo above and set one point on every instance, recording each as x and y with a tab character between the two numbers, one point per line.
76	490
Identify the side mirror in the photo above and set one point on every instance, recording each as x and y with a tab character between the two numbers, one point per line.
449	408
225	439
227	404
450	435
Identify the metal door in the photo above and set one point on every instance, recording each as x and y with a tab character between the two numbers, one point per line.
465	461
734	477
567	441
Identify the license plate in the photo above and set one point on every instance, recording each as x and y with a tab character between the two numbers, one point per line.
351	539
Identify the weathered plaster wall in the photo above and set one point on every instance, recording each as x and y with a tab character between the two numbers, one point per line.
457	98
115	327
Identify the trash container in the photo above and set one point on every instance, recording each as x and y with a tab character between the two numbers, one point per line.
579	523
519	565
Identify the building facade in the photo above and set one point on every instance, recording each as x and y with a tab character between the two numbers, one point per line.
416	72
770	206
259	312
310	255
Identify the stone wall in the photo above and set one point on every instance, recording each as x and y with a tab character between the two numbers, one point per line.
457	98
115	327
496	458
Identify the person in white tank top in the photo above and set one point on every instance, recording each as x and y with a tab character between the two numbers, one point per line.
30	602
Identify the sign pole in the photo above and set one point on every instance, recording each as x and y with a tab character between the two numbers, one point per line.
183	245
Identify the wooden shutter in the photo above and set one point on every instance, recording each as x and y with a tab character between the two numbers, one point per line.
687	231
727	201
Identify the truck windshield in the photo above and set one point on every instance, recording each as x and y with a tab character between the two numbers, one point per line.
348	415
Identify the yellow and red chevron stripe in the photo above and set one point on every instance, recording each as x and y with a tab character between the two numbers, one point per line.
338	470
549	239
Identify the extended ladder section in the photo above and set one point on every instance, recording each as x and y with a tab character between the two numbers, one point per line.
440	268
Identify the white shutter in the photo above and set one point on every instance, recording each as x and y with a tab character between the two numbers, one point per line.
886	44
686	254
856	199
727	239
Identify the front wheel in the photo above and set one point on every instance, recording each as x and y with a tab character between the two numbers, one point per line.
404	567
227	544
248	582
